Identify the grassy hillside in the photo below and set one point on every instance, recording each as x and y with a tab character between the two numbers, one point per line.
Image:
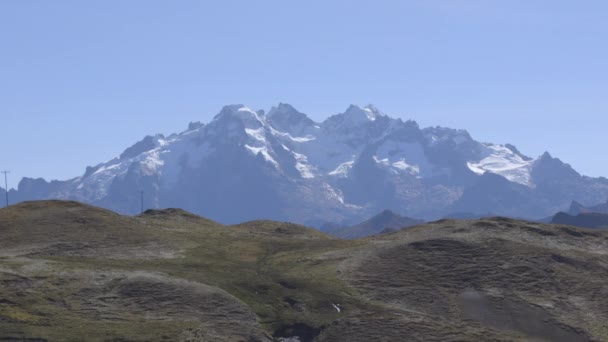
74	272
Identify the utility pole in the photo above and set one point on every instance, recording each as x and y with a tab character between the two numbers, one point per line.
6	184
141	193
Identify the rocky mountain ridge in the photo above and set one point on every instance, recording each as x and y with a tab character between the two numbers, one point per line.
248	164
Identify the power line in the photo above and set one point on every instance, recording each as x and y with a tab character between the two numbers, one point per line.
142	201
6	184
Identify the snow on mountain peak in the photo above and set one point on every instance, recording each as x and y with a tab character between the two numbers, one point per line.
357	159
146	144
353	119
372	112
361	115
249	117
442	135
501	160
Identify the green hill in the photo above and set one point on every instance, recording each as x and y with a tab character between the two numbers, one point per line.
71	272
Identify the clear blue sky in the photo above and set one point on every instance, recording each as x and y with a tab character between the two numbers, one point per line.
82	80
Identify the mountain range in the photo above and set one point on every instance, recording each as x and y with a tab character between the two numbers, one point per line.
282	165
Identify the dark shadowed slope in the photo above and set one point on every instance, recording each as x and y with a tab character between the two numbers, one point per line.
577	208
583	219
522	279
69	270
384	222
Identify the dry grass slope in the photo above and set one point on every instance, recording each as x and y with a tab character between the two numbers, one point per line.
69	271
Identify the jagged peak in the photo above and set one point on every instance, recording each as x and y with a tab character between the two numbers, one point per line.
410	123
284	109
236	109
354	116
517	152
372	112
195	125
440	135
575	208
547	159
447	131
241	112
286	118
546	155
148	143
386	213
552	167
369	113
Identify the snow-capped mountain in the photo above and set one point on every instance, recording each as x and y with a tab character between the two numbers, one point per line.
282	165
